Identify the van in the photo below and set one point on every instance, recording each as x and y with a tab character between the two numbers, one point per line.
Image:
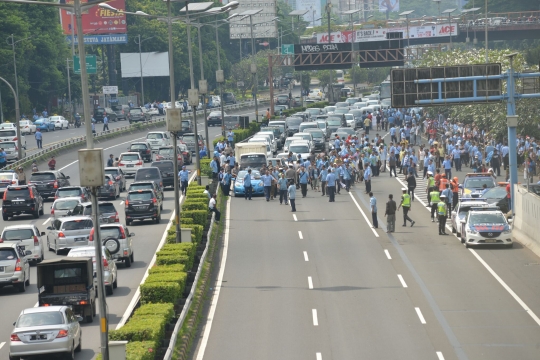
269	152
231	122
273	138
307	125
156	139
11	135
149	174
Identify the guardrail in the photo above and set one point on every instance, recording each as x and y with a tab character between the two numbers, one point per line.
81	139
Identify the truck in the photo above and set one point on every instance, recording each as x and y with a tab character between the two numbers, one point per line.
232	122
251	155
68	281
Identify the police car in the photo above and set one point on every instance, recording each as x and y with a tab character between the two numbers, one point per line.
462	209
473	184
486	226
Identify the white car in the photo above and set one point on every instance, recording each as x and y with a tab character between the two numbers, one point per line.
329	109
349	118
118	240
64	206
300	147
486	226
8	178
11	135
315	94
110	273
130	162
27	127
8	125
12	151
59	122
158	139
463	207
29	239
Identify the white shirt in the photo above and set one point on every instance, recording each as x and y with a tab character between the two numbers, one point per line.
212	203
222	159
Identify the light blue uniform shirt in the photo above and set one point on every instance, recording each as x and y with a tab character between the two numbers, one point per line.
214	166
292	191
373	204
331	179
303	177
247	180
183	175
267	180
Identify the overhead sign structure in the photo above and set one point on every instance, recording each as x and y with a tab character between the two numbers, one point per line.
96	20
110	90
264	25
153	64
322	56
335	37
287	49
449	83
101	39
91	65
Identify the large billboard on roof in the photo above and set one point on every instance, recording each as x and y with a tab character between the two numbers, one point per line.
388	5
263	24
96	20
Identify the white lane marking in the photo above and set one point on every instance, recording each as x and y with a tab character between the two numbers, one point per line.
217	289
68	165
305	256
419	313
440	355
293	215
310	282
318	356
387	254
217	135
315	319
46	221
507	288
122	202
2	344
300	235
402	280
37	304
364	215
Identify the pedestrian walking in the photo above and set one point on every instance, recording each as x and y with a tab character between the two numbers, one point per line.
373	207
248	187
406	204
227	182
303	178
392	163
39	138
433	200
291	191
331	185
267	183
21	175
283	186
411	185
110	160
442	211
213	208
390	214
183	176
322	177
105	123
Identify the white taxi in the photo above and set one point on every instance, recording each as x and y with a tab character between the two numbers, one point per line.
59	122
486	226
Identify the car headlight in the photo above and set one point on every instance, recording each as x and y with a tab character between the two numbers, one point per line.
471	231
507	232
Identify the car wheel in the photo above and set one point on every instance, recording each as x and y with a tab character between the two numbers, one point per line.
127	261
161	206
71	354
49	245
41	258
22	286
158	219
79	347
467	245
128	222
109	290
5	217
458	235
132	257
36	214
115	283
41	211
27	282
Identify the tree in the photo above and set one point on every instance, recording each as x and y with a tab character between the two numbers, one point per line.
326	77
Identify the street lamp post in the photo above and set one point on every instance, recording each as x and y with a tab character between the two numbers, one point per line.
203	90
406	14
17	112
449	12
139	42
439	6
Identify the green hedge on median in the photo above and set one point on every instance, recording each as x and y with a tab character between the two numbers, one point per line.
194	205
170	277
138	350
167	268
159	292
143	328
199	216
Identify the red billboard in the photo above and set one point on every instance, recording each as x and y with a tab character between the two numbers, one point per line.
97	20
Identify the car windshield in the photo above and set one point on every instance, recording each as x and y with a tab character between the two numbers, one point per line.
8	145
143	195
17	194
478	183
112	172
302	136
154	136
297	149
69	192
146	173
138	147
130	157
65	205
464	209
40	319
8	133
17	234
6	177
42	177
487	218
254	174
498	192
140	186
316	134
293	121
185	124
321	125
105	208
334	122
330	108
215	113
347	131
77	224
166	151
7	254
341	111
342	104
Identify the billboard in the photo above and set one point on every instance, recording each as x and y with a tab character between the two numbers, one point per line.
263	25
96	20
313	16
370	35
101	39
153	64
336	37
388	5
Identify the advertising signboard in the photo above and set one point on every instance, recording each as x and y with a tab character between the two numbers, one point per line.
335	37
101	39
313	16
97	20
388	5
263	25
370	35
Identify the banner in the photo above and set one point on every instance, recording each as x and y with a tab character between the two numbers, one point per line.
335	37
388	5
370	35
96	20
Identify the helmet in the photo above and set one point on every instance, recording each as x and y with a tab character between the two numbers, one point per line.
442	196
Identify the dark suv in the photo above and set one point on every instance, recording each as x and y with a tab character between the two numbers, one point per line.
136	114
141	205
48	182
142	148
21	199
99	114
167	171
121	111
228	98
106	211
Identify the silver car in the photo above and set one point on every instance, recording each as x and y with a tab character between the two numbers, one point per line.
12	151
14	266
62	206
69	232
46	330
28	237
109	266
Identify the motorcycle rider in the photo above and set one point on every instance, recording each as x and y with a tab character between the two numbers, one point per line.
52	163
77	120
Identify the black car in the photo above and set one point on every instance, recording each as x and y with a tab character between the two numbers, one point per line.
106	211
121	111
110	188
136	115
142	148
99	114
214	118
141	205
143	185
48	182
228	98
167	171
150	174
21	199
293	125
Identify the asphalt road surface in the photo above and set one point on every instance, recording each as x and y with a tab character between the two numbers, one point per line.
322	284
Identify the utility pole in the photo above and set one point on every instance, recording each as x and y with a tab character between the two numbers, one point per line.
203	88
69	91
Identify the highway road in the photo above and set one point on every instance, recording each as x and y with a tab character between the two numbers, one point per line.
146	240
322	284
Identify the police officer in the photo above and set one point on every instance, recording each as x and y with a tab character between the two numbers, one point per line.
183	176
406	204
331	185
434	199
442	211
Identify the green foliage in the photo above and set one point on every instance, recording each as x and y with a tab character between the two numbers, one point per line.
167	268
159	292
169	277
142	328
165	310
138	350
205	170
491	117
187	206
198	216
